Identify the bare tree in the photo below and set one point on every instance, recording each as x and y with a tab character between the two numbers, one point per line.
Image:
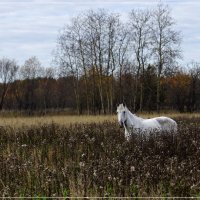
165	42
66	58
31	70
8	70
80	41
108	47
97	29
139	22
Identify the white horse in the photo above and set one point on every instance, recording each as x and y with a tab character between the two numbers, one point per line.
132	123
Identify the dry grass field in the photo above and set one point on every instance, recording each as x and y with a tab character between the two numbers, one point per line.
70	156
20	121
59	119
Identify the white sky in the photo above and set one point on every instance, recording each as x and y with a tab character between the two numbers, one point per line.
30	27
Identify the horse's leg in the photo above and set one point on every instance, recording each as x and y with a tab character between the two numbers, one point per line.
127	135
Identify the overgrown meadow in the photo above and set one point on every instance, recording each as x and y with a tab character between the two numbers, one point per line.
93	159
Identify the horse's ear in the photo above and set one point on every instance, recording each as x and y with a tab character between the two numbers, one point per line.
124	104
116	105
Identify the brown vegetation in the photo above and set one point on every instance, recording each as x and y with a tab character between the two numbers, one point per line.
95	160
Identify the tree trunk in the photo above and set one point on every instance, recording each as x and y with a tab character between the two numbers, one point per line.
141	96
158	90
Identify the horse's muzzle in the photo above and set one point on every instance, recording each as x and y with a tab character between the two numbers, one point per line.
122	124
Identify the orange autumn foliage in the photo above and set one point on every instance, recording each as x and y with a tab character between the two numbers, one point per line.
179	80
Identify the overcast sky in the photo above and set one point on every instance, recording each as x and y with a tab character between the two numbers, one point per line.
30	27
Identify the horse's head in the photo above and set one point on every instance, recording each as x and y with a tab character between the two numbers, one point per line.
122	115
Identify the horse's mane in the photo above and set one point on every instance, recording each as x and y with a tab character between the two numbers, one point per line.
133	115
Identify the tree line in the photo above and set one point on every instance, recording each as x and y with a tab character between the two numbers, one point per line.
102	61
32	87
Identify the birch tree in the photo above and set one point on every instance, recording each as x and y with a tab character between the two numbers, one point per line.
165	42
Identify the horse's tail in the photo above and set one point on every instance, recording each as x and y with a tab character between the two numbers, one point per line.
175	129
174	126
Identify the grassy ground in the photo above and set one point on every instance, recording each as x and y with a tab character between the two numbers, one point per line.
20	121
88	156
